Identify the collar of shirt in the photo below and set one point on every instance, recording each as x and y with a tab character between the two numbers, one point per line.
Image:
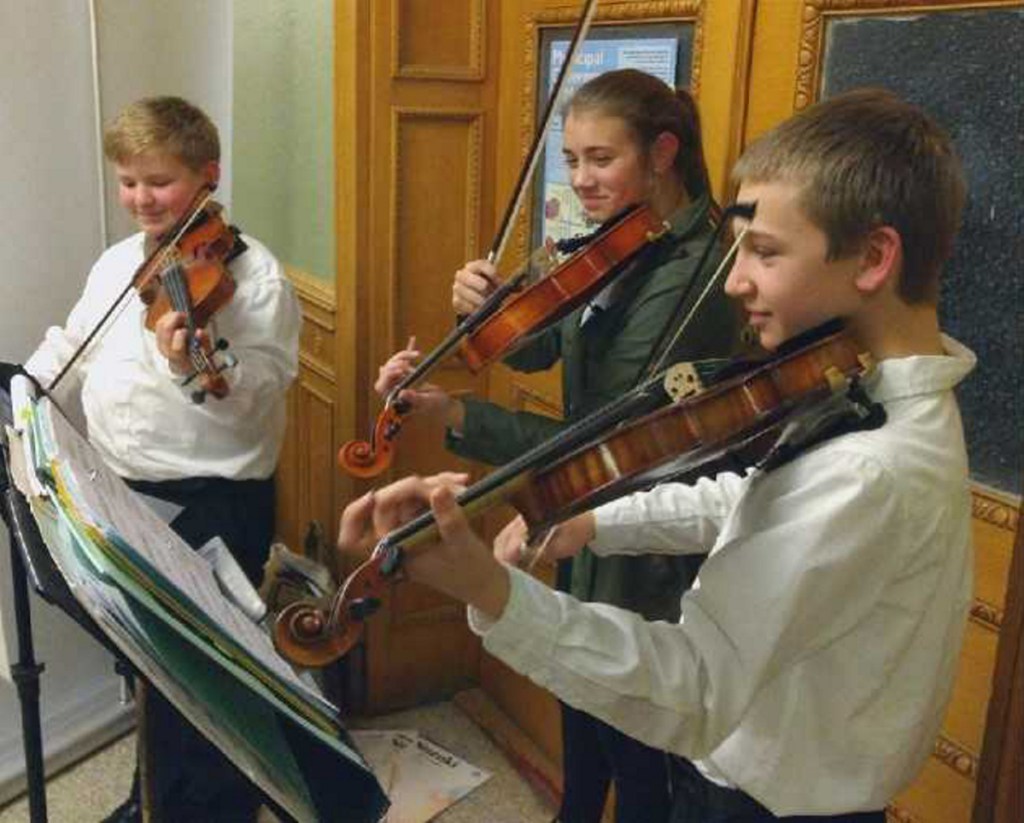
904	377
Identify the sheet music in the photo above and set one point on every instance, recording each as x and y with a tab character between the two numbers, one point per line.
167	564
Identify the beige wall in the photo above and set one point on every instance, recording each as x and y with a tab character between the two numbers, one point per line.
283	127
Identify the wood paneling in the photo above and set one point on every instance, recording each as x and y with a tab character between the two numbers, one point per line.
452	51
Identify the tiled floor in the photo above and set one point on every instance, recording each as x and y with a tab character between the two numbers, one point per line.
91	789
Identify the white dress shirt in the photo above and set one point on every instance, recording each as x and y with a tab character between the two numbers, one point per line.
140	417
817	649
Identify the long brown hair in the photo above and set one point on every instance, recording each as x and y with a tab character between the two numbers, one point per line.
649	108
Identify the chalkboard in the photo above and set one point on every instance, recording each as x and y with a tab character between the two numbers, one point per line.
966	69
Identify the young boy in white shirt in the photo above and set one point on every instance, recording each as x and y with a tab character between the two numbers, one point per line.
215	458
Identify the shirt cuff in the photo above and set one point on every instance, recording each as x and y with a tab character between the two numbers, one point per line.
614	529
525	633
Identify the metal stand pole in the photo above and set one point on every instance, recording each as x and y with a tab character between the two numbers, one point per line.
26	671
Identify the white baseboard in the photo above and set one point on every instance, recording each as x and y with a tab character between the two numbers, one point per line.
87	722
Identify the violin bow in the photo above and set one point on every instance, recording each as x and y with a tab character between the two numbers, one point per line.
119	304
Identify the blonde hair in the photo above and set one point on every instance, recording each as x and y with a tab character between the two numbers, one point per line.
866	159
168	124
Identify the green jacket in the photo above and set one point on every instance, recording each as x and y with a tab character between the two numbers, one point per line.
602	359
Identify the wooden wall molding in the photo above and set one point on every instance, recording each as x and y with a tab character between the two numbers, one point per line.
472	71
957	757
811	50
1002	511
895	813
986	615
474	121
316	340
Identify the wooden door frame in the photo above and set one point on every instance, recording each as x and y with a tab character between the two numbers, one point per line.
1000	792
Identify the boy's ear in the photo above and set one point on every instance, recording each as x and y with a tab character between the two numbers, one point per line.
664	151
211	171
881	260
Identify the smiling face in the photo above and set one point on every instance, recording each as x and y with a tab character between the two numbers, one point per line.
607	169
156	189
781	274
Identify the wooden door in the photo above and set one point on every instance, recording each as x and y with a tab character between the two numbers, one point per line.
415	90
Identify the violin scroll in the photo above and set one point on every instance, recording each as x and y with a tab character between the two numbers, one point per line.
366	459
311	635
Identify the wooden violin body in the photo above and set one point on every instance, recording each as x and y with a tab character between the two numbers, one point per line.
565	288
564	476
191	277
680	439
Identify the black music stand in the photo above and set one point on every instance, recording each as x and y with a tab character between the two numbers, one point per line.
31	560
25	672
244	704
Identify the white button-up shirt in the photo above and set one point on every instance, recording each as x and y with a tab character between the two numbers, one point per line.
140	418
817	649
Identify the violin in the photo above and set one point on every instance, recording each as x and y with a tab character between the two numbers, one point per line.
192	277
186	272
506	320
566	287
760	416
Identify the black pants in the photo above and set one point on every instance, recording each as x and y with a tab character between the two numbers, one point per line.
191	780
596	754
697	800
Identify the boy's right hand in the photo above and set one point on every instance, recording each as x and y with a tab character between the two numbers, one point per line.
511	546
473	282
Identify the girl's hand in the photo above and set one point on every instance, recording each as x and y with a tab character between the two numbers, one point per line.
397	368
473	282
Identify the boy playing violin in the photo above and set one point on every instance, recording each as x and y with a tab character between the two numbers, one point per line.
217	458
809	670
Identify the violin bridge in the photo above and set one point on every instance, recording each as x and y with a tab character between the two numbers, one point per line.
835	378
682	380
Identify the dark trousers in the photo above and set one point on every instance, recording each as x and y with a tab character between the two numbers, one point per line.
697	800
595	754
190	780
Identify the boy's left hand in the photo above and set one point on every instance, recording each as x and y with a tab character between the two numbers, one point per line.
171	332
460	564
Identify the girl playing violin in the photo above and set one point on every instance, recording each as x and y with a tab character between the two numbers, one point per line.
216	459
808	673
628	139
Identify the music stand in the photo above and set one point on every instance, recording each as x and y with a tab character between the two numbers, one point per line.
25	672
292	746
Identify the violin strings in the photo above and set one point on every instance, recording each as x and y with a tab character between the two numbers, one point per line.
174	282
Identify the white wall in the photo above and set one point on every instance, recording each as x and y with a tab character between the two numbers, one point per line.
50	212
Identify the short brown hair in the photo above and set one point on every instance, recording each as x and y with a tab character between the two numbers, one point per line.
866	159
168	124
649	107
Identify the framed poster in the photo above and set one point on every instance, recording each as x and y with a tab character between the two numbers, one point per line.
662	49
